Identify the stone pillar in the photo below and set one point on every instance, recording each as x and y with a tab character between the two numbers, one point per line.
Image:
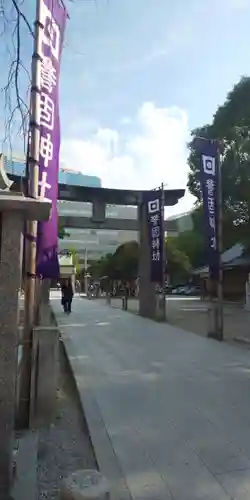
10	273
45	350
147	296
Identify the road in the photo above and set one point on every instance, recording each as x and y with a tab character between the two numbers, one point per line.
175	406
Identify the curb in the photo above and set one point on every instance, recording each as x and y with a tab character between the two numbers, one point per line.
69	368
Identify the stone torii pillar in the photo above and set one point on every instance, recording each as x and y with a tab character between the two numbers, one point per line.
147	296
14	210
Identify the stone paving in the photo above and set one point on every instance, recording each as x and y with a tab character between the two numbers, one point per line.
192	315
168	411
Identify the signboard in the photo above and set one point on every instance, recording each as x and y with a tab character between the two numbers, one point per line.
53	17
209	172
153	201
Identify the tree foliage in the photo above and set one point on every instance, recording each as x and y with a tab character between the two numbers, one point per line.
62	233
76	261
126	260
231	126
192	243
178	264
102	267
123	264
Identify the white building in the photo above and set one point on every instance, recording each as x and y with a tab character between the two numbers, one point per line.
95	242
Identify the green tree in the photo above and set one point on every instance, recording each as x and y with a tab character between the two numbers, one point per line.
125	261
102	267
231	126
192	243
123	264
62	233
76	262
178	264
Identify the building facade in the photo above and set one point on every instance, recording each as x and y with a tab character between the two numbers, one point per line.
16	166
94	243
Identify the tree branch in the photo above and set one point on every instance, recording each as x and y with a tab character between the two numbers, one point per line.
16	109
24	18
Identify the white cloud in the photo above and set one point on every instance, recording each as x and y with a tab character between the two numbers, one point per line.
153	150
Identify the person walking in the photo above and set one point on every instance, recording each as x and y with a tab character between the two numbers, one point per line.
78	287
67	295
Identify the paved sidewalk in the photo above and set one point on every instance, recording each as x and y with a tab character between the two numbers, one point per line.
168	410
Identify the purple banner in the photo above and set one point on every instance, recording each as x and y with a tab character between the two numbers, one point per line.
53	18
209	170
153	201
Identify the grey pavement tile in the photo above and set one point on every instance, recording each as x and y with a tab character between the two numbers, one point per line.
221	456
241	439
143	479
194	430
175	406
147	487
192	481
170	452
237	484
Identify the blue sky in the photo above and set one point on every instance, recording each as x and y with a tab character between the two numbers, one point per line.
137	76
184	53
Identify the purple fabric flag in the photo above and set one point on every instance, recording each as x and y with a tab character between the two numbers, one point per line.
153	201
53	18
209	171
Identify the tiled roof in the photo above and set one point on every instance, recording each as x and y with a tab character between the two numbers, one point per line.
229	258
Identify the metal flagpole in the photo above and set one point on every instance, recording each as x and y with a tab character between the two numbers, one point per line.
220	250
216	284
163	254
85	271
30	257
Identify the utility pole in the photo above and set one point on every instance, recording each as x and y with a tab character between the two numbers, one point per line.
31	232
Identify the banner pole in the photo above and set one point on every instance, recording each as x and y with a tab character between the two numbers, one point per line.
211	187
220	250
31	245
86	271
163	253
